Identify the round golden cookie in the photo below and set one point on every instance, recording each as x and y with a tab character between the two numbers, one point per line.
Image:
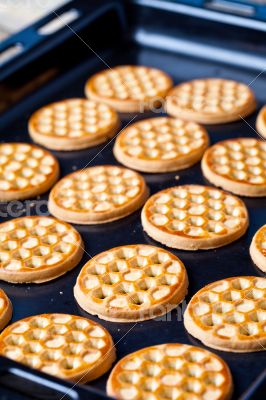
170	371
37	249
26	171
258	248
131	283
161	145
63	345
229	314
5	309
129	88
97	195
73	124
192	217
261	122
211	101
237	165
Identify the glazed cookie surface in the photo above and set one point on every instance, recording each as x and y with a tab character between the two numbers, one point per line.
211	101
237	165
97	195
171	371
131	283
229	314
73	124
192	217
63	345
26	171
129	88
38	249
161	145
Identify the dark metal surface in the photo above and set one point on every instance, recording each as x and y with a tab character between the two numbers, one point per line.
203	266
22	383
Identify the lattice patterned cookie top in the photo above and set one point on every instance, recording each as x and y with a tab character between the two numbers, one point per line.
63	345
74	118
211	100
230	314
129	281
195	212
99	190
128	83
25	167
37	244
161	140
170	371
240	160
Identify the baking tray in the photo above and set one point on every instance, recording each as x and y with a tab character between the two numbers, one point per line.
187	42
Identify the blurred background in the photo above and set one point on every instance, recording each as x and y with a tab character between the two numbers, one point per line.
16	15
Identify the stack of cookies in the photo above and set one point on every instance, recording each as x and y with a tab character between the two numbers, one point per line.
138	282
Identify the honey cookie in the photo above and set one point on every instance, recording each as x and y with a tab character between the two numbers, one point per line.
129	88
161	145
37	249
261	122
73	124
26	171
229	314
237	165
97	195
211	101
258	248
63	345
192	217
170	371
5	309
131	283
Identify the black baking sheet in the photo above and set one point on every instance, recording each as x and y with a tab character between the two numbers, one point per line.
203	266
